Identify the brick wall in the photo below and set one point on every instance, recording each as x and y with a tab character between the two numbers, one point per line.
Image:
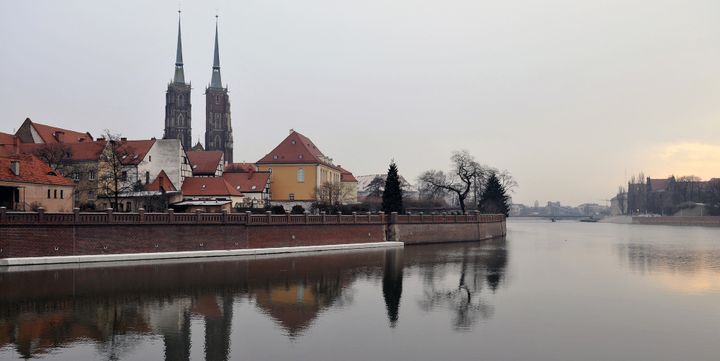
68	240
414	233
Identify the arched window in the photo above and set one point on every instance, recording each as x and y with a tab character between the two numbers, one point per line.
179	120
301	175
218	144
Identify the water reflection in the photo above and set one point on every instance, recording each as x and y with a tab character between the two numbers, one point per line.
455	275
118	308
104	305
679	267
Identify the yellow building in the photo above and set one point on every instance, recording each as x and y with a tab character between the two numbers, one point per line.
299	170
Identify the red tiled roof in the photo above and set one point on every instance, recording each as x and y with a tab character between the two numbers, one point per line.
50	134
658	184
32	170
244	182
295	149
208	186
204	161
6	138
161	182
85	151
134	151
240	168
346	175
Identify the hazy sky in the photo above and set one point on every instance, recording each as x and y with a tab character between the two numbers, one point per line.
567	95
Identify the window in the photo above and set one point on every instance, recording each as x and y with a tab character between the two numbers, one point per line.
48	194
147	177
91	195
76	177
275	156
301	175
55	194
300	156
91	175
149	158
292	196
62	194
217	99
123	176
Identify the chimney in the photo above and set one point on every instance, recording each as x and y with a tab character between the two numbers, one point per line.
15	167
16	145
291	130
59	135
123	139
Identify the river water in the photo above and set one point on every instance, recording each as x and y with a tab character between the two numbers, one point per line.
549	291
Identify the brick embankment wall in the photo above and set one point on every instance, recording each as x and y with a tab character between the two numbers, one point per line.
679	221
439	232
73	240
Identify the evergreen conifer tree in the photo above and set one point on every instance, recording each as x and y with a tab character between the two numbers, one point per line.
392	198
494	199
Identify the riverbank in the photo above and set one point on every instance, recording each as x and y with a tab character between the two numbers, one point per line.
706	221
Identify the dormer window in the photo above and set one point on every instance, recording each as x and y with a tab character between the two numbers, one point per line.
300	156
275	156
293	142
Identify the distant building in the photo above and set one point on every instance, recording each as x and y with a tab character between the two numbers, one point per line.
364	181
26	183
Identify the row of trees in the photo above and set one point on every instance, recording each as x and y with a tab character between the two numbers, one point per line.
487	187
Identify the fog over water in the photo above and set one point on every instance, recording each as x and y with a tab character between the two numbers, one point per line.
549	291
567	95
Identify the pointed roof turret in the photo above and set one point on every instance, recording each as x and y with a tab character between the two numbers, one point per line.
215	81
179	72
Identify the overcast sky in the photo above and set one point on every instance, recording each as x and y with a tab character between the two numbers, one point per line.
567	95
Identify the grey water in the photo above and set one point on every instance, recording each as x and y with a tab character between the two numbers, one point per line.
548	291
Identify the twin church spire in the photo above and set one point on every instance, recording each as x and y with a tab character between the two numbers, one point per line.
218	127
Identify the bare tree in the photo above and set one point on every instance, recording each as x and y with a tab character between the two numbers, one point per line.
465	173
331	195
113	174
55	155
375	187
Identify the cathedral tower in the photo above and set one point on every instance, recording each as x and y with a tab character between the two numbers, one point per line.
177	102
218	127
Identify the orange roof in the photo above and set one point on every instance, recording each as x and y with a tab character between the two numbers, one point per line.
161	183
208	186
6	138
85	151
134	151
204	162
32	170
296	148
240	168
346	175
251	182
50	134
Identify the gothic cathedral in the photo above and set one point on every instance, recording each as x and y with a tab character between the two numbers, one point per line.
177	103
218	127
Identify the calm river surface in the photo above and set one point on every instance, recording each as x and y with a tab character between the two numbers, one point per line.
550	291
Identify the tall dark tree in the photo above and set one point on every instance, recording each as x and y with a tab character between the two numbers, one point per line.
494	198
392	197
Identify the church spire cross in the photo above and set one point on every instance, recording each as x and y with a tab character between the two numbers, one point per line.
179	72
215	81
